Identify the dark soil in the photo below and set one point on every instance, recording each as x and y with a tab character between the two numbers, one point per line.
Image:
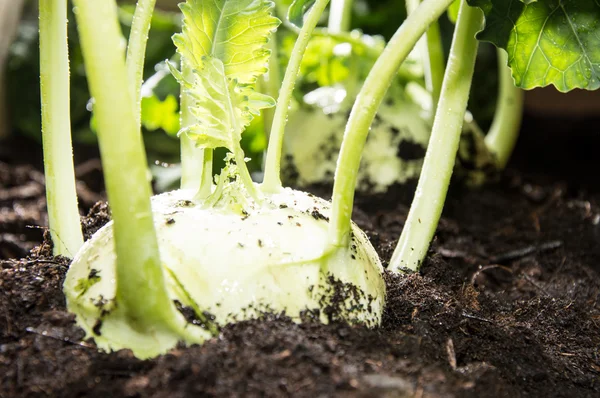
22	196
506	305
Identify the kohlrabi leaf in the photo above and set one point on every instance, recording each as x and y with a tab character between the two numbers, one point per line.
224	107
225	44
548	41
234	31
297	11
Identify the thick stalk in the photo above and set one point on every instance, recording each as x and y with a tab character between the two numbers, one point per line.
430	195
340	16
141	290
503	133
136	52
196	163
365	108
272	181
61	195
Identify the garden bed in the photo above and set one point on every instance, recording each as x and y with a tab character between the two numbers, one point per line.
505	304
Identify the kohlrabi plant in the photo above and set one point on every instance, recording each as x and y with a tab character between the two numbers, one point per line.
337	62
332	73
176	267
543	42
547	42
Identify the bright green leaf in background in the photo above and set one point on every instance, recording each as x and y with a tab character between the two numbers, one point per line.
321	64
453	11
161	114
548	41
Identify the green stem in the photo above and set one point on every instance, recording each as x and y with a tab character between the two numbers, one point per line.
192	163
271	82
206	180
141	289
272	181
436	64
244	174
430	195
340	16
365	108
61	195
411	6
503	133
196	163
238	154
433	57
136	52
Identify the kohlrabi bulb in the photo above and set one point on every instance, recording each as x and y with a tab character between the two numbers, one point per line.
393	152
223	264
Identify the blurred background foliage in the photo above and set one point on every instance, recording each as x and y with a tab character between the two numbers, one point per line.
161	92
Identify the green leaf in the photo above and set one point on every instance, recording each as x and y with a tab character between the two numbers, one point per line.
297	10
224	107
321	64
341	59
233	31
157	114
225	43
548	41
